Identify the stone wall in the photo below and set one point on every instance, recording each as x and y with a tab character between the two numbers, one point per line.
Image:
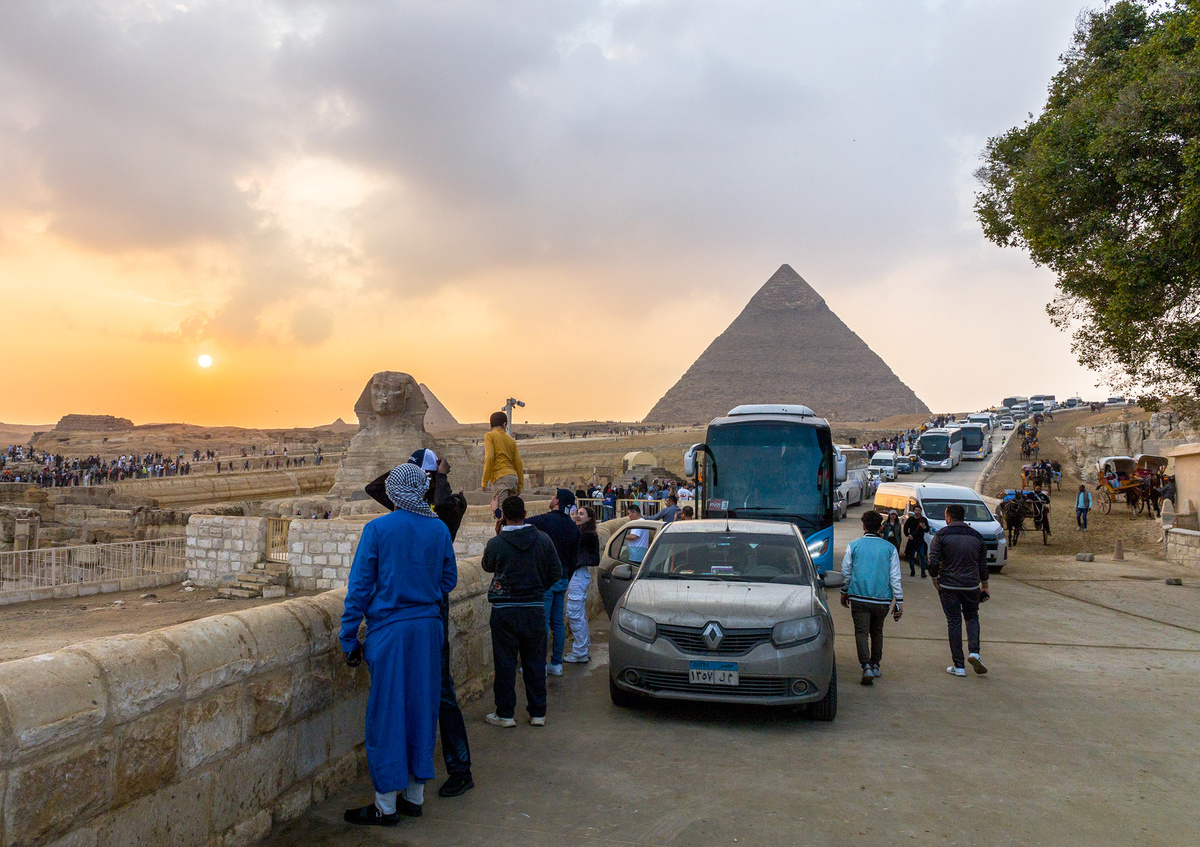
241	485
207	733
1183	547
220	547
320	552
1158	436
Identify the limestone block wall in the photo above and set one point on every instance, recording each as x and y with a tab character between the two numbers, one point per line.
320	552
240	485
219	547
1183	547
209	733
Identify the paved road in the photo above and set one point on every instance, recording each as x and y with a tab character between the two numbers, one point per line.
1084	732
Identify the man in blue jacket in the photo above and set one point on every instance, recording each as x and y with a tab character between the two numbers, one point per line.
562	531
870	589
402	569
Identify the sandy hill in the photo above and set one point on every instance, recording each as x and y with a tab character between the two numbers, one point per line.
787	346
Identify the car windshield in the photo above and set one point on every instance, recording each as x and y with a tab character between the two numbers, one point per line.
738	557
883	463
976	511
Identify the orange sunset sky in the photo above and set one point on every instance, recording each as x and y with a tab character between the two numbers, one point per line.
560	202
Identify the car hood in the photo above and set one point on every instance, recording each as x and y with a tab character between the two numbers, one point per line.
736	605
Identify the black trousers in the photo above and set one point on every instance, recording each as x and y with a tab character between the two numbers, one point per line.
960	606
519	632
455	750
868	630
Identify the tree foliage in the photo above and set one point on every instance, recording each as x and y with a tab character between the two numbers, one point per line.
1103	187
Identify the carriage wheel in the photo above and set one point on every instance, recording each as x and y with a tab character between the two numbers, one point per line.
1140	506
1105	501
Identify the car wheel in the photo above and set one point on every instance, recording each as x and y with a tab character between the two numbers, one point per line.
995	568
824	709
621	697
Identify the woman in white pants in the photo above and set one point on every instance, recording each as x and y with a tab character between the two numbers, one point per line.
581	577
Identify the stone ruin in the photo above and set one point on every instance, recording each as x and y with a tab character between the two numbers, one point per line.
92	423
391	418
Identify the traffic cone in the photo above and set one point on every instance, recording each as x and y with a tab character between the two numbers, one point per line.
1119	553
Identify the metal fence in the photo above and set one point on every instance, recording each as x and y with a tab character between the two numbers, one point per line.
277	539
649	508
25	569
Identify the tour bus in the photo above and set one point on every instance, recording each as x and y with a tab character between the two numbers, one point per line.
1010	402
976	442
1047	401
770	462
984	419
857	458
940	448
1036	406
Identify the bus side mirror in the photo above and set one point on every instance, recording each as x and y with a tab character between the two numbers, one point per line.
689	461
840	468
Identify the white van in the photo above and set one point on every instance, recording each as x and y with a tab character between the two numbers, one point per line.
885	461
933	498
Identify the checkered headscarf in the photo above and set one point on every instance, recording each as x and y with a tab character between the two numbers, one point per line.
406	486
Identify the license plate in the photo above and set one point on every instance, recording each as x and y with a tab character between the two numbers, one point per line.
713	673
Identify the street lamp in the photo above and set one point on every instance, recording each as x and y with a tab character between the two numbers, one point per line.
508	410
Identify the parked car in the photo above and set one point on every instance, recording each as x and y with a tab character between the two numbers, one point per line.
725	612
627	546
839	504
856	487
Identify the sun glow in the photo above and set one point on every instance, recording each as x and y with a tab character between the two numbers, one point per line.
204	361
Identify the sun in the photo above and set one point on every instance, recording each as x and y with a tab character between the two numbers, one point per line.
204	361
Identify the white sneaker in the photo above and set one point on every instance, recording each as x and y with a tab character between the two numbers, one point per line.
538	721
953	671
553	670
876	672
572	659
976	663
495	720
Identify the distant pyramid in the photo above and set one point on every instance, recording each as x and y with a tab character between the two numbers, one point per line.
787	346
437	415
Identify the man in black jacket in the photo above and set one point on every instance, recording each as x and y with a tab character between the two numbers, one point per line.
525	565
450	507
562	531
958	565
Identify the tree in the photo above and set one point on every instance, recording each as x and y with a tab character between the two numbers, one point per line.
1103	187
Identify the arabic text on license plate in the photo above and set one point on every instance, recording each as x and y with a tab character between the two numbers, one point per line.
713	673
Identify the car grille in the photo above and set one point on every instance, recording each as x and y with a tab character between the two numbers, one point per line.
992	545
689	639
752	686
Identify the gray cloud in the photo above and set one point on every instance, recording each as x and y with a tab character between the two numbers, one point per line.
627	136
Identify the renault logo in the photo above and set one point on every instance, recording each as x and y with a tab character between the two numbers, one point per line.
713	635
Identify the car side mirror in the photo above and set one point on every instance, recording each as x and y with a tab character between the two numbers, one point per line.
623	572
832	579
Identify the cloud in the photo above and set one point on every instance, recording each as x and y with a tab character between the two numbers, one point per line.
331	152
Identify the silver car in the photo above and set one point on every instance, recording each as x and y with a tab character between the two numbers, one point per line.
724	612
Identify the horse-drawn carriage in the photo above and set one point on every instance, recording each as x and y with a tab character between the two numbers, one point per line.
1042	473
1028	433
1135	479
1018	506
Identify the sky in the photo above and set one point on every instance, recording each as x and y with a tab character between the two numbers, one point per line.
561	202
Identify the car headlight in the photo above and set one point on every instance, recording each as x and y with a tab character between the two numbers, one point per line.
817	548
795	632
639	626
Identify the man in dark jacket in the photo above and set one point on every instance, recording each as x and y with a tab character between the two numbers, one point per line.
450	508
525	565
562	531
915	548
958	565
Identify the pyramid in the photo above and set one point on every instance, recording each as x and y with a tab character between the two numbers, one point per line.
787	346
437	415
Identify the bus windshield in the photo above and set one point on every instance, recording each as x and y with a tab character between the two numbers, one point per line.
935	447
768	469
972	438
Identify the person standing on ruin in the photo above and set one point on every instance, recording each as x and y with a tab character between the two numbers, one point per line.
403	569
502	468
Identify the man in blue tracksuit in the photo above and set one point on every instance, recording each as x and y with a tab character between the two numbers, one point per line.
870	589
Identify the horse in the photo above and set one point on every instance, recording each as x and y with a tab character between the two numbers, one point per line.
1015	511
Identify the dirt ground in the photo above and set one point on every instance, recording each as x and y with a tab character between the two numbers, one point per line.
1137	533
46	625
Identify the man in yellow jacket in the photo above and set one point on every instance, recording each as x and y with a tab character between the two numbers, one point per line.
502	468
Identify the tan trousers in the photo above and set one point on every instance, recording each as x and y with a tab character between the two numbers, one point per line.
505	486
